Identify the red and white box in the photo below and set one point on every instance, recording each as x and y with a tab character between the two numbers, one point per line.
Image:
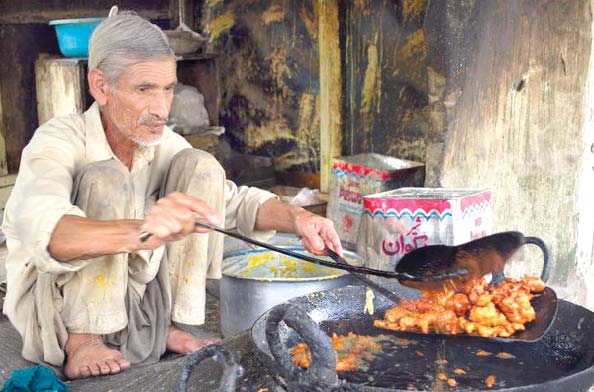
395	222
358	175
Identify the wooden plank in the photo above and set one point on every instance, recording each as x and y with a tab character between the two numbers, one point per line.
330	89
60	87
42	11
44	18
20	48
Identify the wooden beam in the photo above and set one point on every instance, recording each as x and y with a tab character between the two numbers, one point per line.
19	49
42	11
60	87
27	17
330	88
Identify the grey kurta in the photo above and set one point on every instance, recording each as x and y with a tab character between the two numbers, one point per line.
42	195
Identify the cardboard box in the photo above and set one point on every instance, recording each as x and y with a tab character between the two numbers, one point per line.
395	222
355	176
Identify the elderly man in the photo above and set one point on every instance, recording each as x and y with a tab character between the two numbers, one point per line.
83	291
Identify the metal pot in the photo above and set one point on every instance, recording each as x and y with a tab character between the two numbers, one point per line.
256	280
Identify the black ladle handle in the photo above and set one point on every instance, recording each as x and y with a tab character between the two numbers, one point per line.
368	282
230	373
499	277
546	266
322	368
347	267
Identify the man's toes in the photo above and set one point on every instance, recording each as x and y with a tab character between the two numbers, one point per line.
84	372
123	363
94	368
113	366
104	368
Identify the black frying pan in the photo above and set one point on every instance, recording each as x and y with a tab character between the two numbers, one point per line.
560	360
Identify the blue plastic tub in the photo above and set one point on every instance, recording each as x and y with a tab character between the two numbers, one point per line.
73	35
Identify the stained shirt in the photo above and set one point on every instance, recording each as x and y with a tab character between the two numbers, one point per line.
42	196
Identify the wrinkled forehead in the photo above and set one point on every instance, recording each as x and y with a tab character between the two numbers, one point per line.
158	73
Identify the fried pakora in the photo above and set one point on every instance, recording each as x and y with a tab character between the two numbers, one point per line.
350	351
475	309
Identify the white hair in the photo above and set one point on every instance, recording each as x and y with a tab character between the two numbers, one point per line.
124	39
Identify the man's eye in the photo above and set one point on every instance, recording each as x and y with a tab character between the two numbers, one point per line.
170	88
143	89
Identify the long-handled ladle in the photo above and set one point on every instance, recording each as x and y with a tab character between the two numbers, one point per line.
420	278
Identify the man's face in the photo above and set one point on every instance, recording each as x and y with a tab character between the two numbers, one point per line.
138	105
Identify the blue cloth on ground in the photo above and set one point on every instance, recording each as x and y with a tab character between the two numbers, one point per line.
34	379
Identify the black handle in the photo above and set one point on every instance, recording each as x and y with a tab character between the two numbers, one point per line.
546	266
347	267
230	373
499	277
321	374
369	283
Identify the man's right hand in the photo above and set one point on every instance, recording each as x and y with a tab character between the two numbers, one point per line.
173	216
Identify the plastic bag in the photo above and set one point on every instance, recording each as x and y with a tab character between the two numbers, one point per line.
188	114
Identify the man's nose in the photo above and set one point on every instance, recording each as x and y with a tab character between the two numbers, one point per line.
160	106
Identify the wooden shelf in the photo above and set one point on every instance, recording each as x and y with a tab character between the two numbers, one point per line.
62	87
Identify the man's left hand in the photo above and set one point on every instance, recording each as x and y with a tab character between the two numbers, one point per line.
317	233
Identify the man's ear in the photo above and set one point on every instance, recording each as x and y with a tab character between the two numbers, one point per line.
98	86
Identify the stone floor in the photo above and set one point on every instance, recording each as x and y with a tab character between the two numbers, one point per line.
138	378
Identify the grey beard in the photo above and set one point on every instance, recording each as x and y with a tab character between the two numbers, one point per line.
145	143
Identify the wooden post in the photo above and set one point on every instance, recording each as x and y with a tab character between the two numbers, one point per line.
60	87
330	89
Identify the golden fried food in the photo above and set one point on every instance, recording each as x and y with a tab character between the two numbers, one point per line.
490	381
475	309
349	350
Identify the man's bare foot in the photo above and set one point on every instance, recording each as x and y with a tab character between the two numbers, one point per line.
88	356
182	342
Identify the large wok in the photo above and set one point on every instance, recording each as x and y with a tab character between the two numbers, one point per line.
561	360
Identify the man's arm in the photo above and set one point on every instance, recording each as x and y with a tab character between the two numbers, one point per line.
170	219
80	238
315	231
